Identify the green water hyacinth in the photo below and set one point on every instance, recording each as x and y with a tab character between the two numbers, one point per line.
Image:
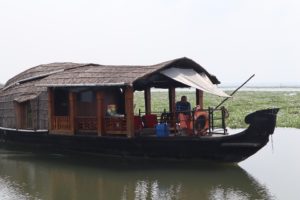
241	104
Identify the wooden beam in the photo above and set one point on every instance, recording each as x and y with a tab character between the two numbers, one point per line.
50	109
100	113
34	104
172	99
199	98
129	112
17	107
72	101
147	97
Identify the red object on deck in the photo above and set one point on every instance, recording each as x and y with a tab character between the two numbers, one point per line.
150	120
138	123
184	121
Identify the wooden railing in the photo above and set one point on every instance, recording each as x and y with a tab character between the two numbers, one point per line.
86	123
216	119
115	125
61	123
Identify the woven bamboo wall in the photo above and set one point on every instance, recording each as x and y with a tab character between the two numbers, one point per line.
43	111
7	112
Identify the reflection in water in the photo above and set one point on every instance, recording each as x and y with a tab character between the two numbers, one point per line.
32	176
10	190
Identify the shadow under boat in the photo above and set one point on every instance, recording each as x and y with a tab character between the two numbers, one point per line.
55	176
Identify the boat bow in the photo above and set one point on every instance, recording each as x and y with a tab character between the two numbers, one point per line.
264	121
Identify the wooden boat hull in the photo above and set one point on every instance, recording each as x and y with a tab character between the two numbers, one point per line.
227	148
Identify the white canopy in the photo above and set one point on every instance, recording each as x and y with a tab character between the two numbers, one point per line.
191	78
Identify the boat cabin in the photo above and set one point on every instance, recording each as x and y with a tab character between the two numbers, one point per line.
92	99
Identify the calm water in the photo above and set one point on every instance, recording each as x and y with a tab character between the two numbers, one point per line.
272	173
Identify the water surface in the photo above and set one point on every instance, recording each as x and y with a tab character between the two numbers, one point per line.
272	173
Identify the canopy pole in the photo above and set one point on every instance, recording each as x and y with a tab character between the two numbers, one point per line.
147	98
172	99
235	91
199	98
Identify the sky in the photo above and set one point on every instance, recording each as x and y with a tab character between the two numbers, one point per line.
232	39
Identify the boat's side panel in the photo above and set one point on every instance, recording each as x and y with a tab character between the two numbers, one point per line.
229	148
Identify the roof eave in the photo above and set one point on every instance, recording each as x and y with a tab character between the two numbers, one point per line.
84	85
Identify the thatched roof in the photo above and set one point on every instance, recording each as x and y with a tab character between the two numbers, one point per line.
41	71
138	76
23	87
31	82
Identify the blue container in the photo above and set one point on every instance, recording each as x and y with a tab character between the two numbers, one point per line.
162	130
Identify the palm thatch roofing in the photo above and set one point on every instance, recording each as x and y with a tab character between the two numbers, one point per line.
30	83
140	77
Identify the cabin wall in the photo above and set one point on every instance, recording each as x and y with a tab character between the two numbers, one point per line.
39	106
42	112
7	111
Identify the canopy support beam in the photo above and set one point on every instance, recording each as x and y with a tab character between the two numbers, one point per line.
199	98
172	96
147	97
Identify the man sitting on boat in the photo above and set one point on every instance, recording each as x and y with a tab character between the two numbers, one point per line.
183	106
183	109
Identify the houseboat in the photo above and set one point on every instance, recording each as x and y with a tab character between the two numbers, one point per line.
89	108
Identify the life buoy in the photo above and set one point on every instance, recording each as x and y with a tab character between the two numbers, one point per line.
201	122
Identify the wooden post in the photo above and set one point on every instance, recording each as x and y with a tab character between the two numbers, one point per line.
100	112
147	97
129	112
172	105
199	98
72	112
50	109
172	99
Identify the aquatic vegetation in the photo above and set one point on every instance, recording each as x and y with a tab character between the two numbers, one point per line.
241	104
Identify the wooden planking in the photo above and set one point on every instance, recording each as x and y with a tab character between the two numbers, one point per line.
18	115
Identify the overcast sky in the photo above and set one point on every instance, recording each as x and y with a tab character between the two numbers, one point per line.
232	39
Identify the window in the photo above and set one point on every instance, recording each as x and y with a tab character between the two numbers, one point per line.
87	97
61	102
86	104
